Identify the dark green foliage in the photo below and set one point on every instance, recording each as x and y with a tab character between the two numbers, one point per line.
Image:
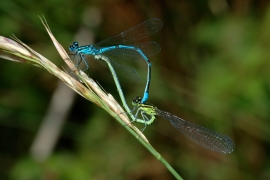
213	69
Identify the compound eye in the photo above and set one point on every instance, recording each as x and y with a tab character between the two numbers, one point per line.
137	100
74	46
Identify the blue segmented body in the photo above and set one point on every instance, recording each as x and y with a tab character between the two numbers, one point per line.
120	46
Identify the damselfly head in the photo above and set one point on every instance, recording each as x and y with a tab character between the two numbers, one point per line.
74	46
137	100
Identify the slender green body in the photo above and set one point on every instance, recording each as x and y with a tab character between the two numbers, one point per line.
201	135
118	86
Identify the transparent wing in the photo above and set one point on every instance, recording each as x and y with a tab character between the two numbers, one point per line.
148	48
205	137
126	71
143	30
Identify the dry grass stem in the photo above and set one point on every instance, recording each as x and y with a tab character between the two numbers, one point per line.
17	51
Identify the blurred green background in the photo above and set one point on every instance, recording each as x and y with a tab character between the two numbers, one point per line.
213	69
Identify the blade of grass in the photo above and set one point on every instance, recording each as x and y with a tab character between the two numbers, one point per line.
19	52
